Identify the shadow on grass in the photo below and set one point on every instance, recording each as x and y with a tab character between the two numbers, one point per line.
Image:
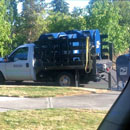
31	83
51	84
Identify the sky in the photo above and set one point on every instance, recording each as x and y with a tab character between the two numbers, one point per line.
72	4
77	3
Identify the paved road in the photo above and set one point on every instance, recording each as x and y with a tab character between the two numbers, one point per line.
103	84
90	101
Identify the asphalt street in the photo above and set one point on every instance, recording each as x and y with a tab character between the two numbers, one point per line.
103	83
90	101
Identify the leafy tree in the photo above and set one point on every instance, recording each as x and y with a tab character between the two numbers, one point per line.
61	22
77	12
12	18
119	0
31	23
124	12
60	6
125	16
92	1
105	16
12	11
5	41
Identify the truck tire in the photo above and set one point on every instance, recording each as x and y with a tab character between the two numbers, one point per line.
65	79
2	80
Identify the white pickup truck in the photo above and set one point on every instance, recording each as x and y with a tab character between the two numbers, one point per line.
23	65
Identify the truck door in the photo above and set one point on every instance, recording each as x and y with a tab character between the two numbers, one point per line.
18	67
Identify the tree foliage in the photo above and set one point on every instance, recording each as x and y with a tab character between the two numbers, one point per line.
60	6
11	6
61	22
105	16
5	30
125	16
77	12
31	23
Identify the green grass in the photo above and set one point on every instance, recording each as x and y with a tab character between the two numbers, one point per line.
51	119
39	91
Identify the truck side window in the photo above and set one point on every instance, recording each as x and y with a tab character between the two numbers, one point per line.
20	54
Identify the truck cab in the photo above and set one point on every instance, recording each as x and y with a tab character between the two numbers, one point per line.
19	65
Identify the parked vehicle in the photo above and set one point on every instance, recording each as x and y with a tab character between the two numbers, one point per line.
65	57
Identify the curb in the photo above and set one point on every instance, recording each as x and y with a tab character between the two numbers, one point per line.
94	90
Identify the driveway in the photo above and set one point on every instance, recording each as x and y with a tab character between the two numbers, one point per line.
91	101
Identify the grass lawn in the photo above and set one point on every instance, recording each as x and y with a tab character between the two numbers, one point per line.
51	119
39	91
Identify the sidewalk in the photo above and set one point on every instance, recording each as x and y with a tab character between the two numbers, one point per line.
98	101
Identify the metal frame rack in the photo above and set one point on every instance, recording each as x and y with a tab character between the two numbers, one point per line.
63	50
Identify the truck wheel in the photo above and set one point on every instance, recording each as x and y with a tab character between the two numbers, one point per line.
1	78
65	79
